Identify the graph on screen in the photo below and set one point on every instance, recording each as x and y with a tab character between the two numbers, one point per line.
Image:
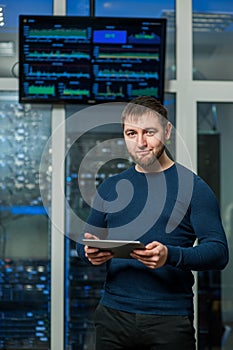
70	59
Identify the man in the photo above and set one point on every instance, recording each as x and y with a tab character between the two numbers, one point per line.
148	299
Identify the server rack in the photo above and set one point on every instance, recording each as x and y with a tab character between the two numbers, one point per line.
84	283
24	229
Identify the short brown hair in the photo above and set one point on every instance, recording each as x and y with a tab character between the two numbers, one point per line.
144	104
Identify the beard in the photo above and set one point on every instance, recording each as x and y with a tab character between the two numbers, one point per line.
149	161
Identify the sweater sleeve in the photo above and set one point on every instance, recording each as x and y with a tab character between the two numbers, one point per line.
211	251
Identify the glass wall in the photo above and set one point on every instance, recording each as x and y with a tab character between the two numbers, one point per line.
212	38
84	282
215	127
25	261
95	151
24	227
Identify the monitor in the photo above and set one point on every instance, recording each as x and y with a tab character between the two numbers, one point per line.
88	60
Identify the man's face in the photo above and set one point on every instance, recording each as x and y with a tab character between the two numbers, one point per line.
145	140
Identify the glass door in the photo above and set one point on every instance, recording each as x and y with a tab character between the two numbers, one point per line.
95	151
24	228
95	148
215	127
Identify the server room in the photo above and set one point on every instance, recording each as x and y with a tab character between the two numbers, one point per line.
61	137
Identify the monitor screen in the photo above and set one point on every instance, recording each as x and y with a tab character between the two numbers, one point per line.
88	60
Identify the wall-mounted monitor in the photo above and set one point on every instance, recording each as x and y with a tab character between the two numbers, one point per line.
87	60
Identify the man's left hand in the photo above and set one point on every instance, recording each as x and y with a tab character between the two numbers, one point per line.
154	256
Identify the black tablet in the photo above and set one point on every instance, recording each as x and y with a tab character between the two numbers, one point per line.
120	248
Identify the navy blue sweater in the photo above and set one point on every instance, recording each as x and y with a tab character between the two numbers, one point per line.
174	207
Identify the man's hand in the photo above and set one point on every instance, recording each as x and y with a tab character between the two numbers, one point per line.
95	255
154	256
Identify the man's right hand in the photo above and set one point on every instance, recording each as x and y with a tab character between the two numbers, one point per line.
95	255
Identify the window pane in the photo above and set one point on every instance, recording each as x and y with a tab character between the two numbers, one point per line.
9	13
215	127
24	228
212	40
134	8
78	7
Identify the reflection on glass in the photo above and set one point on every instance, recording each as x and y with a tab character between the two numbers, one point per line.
24	228
215	127
212	38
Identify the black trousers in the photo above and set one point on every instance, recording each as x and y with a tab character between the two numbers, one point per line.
119	330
